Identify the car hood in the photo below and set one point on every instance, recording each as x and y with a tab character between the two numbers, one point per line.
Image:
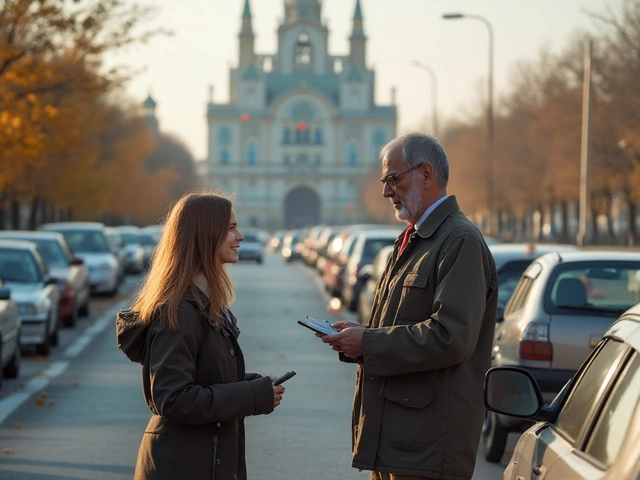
26	292
96	259
61	273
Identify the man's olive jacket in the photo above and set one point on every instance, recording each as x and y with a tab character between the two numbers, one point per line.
418	407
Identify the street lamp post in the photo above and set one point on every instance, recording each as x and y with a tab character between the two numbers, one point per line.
455	16
434	95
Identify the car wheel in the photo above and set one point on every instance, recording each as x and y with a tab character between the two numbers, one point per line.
55	337
71	320
84	309
44	348
494	438
259	261
12	369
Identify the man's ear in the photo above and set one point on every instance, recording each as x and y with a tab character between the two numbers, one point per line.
427	172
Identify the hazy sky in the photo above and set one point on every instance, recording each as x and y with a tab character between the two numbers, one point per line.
179	69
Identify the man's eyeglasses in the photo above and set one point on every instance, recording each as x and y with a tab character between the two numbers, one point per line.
392	180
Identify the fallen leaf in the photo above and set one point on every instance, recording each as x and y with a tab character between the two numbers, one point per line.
75	384
43	394
8	451
51	404
38	402
19	425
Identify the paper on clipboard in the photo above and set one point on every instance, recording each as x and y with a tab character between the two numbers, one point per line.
319	326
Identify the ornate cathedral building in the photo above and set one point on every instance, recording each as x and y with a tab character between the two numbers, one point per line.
301	128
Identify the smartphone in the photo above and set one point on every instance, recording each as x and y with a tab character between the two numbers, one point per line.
284	377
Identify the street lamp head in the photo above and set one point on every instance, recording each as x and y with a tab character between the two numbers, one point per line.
452	16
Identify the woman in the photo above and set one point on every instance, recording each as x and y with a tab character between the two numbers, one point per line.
181	330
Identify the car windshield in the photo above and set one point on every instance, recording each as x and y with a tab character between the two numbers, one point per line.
129	238
605	288
52	252
93	241
250	238
18	266
147	239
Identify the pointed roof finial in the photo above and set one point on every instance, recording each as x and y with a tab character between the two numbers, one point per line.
358	13
247	10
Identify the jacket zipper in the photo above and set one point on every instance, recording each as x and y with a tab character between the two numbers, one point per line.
215	457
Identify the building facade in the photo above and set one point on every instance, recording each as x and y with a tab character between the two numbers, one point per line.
301	129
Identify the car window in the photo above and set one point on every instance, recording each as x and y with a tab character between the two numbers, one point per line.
520	294
18	266
588	390
508	278
615	417
87	241
250	237
373	245
52	253
602	287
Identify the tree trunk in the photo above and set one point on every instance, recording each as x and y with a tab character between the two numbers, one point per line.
34	212
3	215
632	234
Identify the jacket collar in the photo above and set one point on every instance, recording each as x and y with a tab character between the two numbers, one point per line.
438	216
224	326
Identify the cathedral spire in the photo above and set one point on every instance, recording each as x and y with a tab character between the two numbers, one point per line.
358	39
247	38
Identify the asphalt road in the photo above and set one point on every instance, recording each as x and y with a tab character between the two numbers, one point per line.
79	413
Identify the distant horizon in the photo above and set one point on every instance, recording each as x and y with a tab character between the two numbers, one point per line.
179	70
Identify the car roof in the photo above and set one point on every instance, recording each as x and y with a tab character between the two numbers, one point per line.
508	252
72	226
24	234
379	233
627	327
17	244
592	255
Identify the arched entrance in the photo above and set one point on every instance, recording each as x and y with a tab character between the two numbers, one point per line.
301	208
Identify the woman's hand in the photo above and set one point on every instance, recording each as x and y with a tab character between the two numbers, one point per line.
278	392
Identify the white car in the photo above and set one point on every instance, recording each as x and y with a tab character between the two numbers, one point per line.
72	273
88	241
9	335
134	251
35	292
591	430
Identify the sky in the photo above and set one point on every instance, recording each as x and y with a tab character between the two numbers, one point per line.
178	70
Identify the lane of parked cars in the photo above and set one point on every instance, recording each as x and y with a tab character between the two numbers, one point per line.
48	277
562	311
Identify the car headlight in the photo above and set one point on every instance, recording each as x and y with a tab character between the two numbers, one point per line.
27	309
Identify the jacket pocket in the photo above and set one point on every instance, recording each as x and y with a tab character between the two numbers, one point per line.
417	280
411	420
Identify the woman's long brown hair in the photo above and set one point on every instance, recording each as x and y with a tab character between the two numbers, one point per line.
191	239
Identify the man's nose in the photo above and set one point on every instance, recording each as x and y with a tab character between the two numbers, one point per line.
387	191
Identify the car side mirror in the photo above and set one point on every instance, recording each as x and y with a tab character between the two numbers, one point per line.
77	261
5	293
500	315
512	391
49	280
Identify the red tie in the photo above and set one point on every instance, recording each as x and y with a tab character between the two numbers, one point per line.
407	233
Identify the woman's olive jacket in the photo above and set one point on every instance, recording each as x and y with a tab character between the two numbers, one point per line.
194	383
419	388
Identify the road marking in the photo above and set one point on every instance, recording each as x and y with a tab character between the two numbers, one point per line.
37	383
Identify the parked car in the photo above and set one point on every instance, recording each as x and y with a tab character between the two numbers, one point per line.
340	249
35	291
367	245
10	355
275	242
591	430
559	310
134	258
71	272
88	241
148	238
292	245
251	248
370	275
512	259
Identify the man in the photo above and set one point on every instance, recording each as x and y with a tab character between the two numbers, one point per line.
418	408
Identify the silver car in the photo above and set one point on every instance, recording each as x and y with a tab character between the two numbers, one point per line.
591	430
71	272
559	310
35	292
88	240
133	249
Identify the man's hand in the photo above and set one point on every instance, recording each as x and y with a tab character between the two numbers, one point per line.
348	340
